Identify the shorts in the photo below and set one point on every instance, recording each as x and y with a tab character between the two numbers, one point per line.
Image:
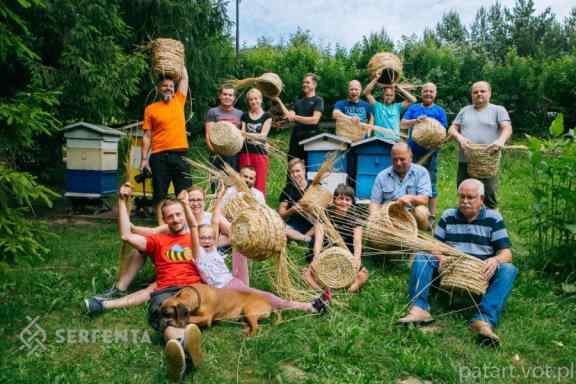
156	300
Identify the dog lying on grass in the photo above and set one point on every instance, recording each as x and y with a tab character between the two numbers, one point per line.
202	305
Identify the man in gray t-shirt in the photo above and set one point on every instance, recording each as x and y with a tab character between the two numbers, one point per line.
481	123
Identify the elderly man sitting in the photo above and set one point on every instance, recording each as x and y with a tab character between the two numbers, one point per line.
479	232
404	182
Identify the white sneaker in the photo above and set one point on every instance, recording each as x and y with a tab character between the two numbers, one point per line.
175	360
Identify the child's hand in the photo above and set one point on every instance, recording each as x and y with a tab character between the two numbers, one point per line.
125	191
183	197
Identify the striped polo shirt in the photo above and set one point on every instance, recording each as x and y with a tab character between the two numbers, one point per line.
482	237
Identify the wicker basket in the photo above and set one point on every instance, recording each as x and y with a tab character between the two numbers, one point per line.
270	84
464	273
390	216
315	197
347	128
389	63
167	58
235	206
226	139
258	233
429	134
335	268
482	162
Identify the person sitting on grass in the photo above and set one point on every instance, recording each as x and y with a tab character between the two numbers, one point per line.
298	227
136	259
479	232
343	216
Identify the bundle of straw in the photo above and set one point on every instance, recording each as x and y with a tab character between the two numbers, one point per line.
463	274
390	217
346	127
335	268
429	133
270	84
316	196
167	58
389	63
226	139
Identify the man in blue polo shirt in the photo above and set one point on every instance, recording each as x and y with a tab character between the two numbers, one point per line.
404	182
415	114
353	107
477	231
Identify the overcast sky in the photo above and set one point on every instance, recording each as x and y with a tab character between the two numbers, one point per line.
345	22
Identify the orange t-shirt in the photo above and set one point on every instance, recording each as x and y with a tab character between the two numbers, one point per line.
172	257
168	125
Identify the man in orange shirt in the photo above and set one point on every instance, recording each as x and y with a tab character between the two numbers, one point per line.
165	138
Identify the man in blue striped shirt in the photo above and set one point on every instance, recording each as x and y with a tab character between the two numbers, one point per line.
479	232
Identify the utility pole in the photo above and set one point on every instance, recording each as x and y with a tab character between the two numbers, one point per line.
237	28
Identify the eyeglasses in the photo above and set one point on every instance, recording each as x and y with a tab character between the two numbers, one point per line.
195	200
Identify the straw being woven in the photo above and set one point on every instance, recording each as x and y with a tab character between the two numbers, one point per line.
389	63
226	139
270	84
390	217
335	268
315	197
167	58
258	233
482	162
429	133
463	274
348	129
235	206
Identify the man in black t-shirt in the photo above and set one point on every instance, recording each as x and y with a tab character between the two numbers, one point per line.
306	113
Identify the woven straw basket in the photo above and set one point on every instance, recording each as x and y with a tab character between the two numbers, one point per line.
270	84
390	216
226	139
258	233
315	197
482	163
429	133
464	273
335	267
234	207
167	58
389	63
346	128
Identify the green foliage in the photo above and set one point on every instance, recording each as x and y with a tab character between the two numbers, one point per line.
557	127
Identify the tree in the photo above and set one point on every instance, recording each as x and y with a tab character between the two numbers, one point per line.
451	30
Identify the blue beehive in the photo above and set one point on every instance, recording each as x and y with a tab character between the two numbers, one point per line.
92	160
371	156
321	146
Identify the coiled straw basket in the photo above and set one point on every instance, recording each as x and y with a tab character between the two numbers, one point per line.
335	267
167	58
389	63
270	84
390	217
463	273
482	162
226	139
429	133
258	233
347	128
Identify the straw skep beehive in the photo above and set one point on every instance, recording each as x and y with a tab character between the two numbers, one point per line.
482	161
463	273
429	133
235	206
270	84
167	58
349	129
335	268
389	64
226	139
390	217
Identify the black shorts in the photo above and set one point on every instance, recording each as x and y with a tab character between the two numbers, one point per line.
156	300
169	167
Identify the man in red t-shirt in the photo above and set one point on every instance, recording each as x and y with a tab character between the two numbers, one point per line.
165	138
171	253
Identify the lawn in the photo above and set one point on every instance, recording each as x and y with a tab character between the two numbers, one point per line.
358	342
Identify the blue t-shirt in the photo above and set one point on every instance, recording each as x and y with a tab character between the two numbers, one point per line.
416	110
361	109
388	116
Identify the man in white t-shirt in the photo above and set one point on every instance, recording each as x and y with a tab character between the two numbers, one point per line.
248	174
481	123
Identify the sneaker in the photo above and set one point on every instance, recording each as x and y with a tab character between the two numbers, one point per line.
192	343
175	360
111	293
93	306
322	303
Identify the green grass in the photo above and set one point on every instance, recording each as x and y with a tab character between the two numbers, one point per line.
357	343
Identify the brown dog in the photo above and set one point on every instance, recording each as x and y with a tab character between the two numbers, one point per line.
202	305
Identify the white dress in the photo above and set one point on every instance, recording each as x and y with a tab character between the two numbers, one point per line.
213	268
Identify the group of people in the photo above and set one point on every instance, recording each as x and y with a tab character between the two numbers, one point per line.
187	249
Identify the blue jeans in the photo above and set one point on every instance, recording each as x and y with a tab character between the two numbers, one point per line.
492	303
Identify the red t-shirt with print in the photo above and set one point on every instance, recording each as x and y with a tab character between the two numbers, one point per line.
172	257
